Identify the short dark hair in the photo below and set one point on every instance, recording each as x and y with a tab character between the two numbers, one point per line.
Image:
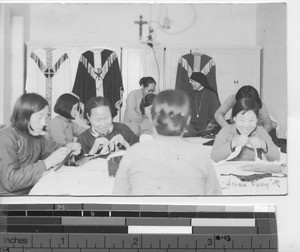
245	104
25	106
170	112
146	101
248	92
145	81
64	105
95	102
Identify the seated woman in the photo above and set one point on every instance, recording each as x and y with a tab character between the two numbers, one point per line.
244	92
25	153
168	165
61	128
132	114
145	125
104	135
244	137
204	102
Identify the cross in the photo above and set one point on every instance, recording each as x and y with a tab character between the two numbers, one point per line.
141	23
49	72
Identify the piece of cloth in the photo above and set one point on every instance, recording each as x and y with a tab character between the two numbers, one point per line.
21	160
86	139
195	62
166	166
48	74
263	116
98	74
132	114
222	149
204	104
62	130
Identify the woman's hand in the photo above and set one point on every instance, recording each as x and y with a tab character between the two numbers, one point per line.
117	140
239	140
100	142
56	157
257	143
75	147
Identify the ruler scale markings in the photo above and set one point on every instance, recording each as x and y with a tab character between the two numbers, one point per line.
264	239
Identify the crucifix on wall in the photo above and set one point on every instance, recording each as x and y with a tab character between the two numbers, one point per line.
141	23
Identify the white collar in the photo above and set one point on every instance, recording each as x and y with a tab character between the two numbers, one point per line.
97	134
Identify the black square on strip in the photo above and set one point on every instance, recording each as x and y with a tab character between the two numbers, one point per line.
39	213
182	215
96	213
154	214
95	229
34	228
264	215
33	220
239	215
210	214
14	213
125	214
66	213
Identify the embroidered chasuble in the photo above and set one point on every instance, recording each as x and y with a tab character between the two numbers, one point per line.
98	74
195	62
204	104
48	74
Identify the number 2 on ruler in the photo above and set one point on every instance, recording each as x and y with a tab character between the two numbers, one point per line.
135	241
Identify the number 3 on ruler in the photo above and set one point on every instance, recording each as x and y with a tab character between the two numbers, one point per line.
209	241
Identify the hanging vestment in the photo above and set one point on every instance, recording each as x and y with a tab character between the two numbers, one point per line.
48	74
98	74
195	62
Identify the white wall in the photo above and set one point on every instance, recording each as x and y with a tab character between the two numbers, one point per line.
207	25
204	25
82	24
271	34
14	31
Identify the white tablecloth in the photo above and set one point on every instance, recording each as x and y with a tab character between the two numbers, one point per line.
89	179
93	179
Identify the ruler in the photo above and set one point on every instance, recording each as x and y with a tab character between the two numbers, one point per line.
137	228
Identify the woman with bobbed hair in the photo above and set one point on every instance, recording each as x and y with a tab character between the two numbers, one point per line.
244	140
25	154
62	128
244	92
104	135
169	164
132	114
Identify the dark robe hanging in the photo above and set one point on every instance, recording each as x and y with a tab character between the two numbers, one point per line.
107	77
195	62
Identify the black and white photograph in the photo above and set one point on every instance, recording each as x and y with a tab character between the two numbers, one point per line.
143	99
